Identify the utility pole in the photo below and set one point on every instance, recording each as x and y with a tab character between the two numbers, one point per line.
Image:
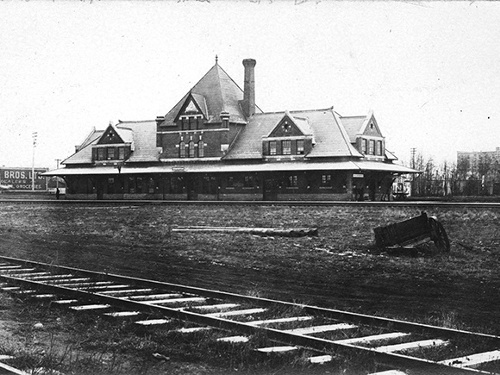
34	135
413	150
57	178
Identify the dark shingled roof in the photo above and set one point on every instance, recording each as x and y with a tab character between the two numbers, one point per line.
221	94
141	134
331	140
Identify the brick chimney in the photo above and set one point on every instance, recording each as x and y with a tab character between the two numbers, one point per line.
249	87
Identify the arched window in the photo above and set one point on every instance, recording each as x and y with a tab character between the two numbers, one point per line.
201	149
182	149
192	153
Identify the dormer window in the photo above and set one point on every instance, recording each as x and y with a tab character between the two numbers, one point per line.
111	153
300	147
100	153
286	147
363	145
272	148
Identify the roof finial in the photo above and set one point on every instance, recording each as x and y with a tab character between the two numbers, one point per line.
216	60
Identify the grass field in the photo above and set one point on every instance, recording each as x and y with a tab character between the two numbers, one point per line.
340	268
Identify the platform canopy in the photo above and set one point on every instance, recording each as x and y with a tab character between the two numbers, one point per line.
357	166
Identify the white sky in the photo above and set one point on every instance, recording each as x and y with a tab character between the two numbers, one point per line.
429	70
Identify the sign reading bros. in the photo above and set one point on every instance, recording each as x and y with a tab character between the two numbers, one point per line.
21	178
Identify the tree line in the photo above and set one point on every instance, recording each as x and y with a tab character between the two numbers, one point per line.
463	178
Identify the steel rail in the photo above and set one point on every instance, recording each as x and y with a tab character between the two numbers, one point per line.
418	328
323	345
140	202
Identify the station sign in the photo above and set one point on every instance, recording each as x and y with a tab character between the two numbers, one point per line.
21	178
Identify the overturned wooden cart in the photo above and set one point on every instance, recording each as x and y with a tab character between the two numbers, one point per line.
412	233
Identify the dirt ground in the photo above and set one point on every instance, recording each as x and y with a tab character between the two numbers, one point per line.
340	268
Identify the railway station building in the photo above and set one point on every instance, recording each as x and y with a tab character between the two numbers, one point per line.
217	144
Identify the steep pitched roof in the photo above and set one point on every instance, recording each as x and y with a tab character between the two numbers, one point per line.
219	92
353	125
331	140
84	151
142	134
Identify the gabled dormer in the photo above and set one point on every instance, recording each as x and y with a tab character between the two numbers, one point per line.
290	138
193	113
369	140
114	145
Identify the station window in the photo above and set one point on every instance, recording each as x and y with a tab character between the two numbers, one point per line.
371	150
111	153
192	152
230	182
293	181
100	153
121	153
131	185
182	149
326	179
209	185
249	181
177	185
363	146
378	150
201	149
272	148
111	185
286	147
300	147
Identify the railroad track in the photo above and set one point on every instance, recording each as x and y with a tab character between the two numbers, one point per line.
141	202
320	333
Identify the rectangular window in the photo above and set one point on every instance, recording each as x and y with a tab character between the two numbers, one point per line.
121	153
326	180
100	154
111	153
249	181
230	182
371	151
111	185
363	146
286	147
300	147
272	148
379	148
177	185
209	185
139	185
293	181
131	185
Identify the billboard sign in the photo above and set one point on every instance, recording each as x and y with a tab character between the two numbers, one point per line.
21	178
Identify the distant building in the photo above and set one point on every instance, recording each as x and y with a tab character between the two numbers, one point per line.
22	179
479	163
479	172
217	144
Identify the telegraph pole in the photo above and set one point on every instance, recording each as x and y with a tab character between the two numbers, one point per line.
57	178
34	135
413	150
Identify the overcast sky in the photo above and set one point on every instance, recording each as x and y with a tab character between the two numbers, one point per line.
430	71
